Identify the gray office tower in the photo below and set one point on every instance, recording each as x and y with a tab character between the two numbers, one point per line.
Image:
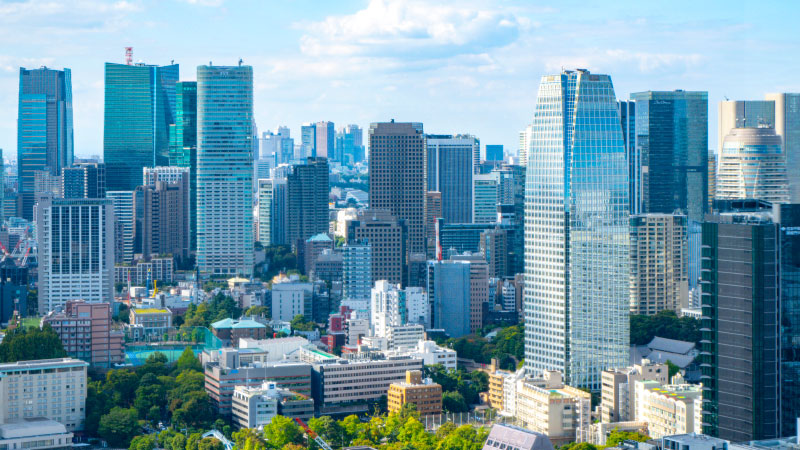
84	180
44	128
740	347
450	169
308	189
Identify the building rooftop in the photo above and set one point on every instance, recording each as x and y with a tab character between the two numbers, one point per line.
29	427
237	324
509	436
151	311
39	363
321	237
671	345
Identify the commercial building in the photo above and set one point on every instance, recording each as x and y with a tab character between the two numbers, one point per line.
37	433
124	203
308	189
230	331
349	145
139	108
618	398
449	291
450	169
291	298
183	145
577	278
142	273
789	218
387	238
356	271
397	180
86	333
254	407
669	409
659	263
264	223
76	251
84	180
478	287
44	128
424	394
393	307
740	347
485	198
50	388
279	212
752	164
13	289
161	218
693	441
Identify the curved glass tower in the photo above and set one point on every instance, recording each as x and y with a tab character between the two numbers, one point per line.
576	231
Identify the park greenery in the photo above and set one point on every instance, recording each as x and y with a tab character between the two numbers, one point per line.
459	387
614	438
203	315
665	324
27	343
278	258
508	347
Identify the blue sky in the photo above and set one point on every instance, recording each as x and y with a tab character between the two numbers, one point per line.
457	66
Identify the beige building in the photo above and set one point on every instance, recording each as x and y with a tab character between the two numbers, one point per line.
659	263
752	164
669	409
618	400
86	332
50	388
548	406
387	237
424	394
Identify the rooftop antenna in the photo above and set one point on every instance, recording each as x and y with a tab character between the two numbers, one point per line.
726	98
240	62
129	55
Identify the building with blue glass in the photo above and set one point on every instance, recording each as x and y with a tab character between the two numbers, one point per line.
450	171
350	145
44	128
183	145
225	170
576	231
139	109
494	152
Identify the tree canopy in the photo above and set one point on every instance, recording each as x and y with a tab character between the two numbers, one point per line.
24	344
665	324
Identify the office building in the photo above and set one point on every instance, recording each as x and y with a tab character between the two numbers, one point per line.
51	388
124	205
740	350
693	441
44	128
387	237
142	273
497	252
425	395
183	145
618	397
225	170
494	152
254	407
325	138
485	200
86	333
308	141
13	290
659	263
84	180
450	169
277	147
76	251
264	223
309	250
449	290
787	126
279	212
308	189
789	219
712	177
397	180
669	409
139	109
752	165
433	212
290	299
633	158
576	250
356	272
479	287
350	145
161	218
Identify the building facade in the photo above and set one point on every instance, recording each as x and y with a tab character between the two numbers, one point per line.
86	333
424	394
308	189
183	145
387	238
450	169
84	180
752	165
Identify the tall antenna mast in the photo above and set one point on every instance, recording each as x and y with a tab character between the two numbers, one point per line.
129	55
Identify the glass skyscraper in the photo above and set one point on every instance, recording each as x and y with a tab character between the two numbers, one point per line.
576	231
450	170
225	170
183	145
789	219
44	128
139	109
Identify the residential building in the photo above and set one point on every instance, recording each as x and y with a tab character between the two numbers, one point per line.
740	348
254	407
484	202
308	189
124	206
425	395
387	237
44	128
183	145
57	385
577	254
328	266
35	433
546	405
84	180
225	170
161	217
494	152
309	251
356	272
142	273
291	298
397	180
659	264
230	331
752	164
450	167
76	251
669	409
503	436
618	398
86	333
393	307
264	223
139	108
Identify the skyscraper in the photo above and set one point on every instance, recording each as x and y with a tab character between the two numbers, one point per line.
161	218
308	140
139	109
325	140
787	126
752	165
397	176
576	231
350	144
264	211
183	145
485	198
627	116
44	128
308	190
124	203
387	239
450	171
225	170
84	180
789	218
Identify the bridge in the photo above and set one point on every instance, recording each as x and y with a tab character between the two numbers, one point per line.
220	437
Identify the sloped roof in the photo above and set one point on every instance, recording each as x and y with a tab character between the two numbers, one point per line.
231	323
671	346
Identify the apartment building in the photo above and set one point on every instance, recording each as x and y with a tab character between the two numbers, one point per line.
669	409
424	394
253	407
85	331
618	400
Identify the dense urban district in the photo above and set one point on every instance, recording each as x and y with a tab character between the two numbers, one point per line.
611	283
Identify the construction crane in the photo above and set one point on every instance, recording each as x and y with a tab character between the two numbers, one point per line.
312	434
129	55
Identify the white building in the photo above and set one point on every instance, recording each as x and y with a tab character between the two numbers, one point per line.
34	433
394	307
76	251
264	211
51	388
618	398
669	409
254	407
275	349
290	299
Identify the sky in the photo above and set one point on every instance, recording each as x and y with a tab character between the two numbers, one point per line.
458	66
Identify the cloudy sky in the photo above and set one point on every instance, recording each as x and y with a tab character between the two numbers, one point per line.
458	66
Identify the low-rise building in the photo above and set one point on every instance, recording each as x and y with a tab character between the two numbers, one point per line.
229	331
254	407
291	298
669	409
424	394
549	406
430	353
618	402
50	388
149	323
86	333
693	441
275	349
34	433
505	437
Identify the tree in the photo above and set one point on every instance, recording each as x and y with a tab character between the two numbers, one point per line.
616	436
146	442
665	324
23	344
122	385
454	402
281	431
326	427
119	426
300	323
156	364
188	361
672	368
464	437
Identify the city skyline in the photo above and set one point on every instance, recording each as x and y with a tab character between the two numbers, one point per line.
457	67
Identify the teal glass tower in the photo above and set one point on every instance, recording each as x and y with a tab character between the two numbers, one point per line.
225	170
576	231
183	145
44	128
139	108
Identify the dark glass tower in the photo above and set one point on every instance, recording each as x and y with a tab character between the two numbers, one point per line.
183	145
44	128
139	109
790	317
